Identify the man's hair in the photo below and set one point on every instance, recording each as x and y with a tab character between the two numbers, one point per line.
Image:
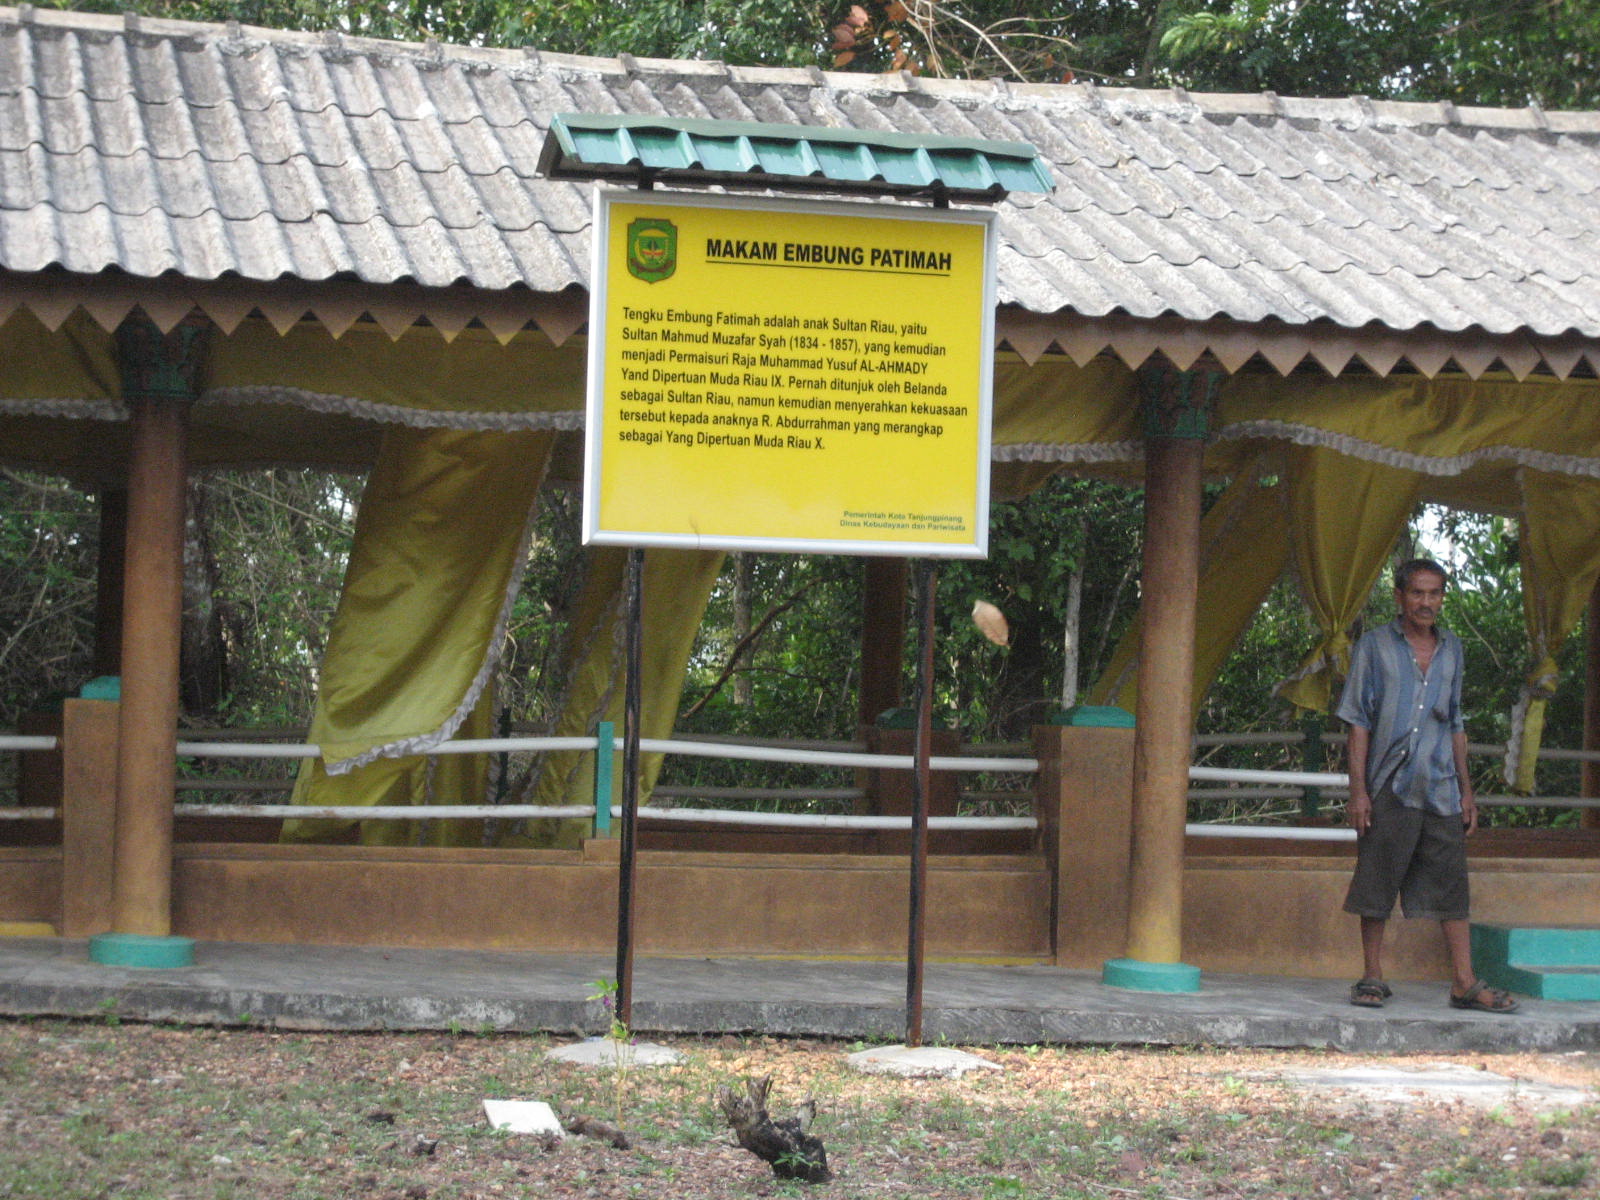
1404	572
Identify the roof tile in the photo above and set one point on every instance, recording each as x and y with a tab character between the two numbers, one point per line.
214	152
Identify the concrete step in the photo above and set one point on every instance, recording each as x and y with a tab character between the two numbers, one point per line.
1559	962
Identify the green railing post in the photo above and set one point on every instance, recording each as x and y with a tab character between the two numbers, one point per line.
1311	759
605	734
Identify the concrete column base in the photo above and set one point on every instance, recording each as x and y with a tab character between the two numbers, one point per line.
1150	977
141	950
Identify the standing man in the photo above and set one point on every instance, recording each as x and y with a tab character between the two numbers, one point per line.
1411	800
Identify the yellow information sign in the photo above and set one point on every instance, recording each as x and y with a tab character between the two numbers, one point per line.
789	375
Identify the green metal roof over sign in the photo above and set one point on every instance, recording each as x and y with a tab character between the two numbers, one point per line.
634	148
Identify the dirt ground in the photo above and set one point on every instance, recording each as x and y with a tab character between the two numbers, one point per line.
102	1109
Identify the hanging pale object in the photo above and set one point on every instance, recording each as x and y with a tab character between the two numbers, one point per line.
991	622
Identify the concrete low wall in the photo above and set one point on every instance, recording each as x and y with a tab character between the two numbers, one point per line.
553	900
1248	914
30	884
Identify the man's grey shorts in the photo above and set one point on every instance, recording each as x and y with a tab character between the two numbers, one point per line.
1416	855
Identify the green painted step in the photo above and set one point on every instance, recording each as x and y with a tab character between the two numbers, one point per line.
1552	962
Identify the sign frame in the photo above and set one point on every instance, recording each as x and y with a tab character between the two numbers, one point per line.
653	258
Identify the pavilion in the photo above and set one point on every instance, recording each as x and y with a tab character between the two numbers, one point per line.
223	245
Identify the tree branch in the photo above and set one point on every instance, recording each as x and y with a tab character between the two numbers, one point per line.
741	646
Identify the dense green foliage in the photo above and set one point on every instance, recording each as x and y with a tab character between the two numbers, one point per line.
1468	51
49	539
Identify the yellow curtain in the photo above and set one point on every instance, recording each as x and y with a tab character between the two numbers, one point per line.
414	780
365	370
1560	550
1344	517
1243	547
1055	404
1438	427
439	545
72	370
675	586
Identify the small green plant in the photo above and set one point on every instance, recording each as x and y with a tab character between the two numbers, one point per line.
1561	1174
108	1012
621	1038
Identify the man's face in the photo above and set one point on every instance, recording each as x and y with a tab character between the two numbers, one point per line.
1421	599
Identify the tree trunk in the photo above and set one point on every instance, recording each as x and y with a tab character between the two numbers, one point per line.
204	673
742	572
1069	634
1152	45
793	1153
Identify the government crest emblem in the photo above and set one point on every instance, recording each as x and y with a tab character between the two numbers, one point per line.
652	249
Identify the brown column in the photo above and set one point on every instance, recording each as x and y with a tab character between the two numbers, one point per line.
159	374
1177	407
883	633
1591	707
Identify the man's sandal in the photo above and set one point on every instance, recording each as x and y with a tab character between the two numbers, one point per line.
1369	993
1480	997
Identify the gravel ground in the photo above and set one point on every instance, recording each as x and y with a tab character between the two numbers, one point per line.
107	1109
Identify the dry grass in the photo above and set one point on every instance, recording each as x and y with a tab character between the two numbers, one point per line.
106	1109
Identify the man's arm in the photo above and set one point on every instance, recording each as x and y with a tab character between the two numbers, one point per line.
1358	811
1469	800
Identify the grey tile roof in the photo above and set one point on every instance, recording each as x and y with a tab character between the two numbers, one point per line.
219	152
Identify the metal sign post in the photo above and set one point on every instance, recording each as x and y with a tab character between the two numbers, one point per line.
630	784
928	581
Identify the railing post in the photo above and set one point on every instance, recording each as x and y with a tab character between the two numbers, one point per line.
88	815
1311	759
605	737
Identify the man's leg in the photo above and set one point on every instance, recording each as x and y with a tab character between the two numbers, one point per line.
1458	941
1372	946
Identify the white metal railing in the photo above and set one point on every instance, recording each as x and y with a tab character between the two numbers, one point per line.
1258	785
29	741
767	751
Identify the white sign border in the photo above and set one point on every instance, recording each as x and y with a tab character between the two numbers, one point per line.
595	399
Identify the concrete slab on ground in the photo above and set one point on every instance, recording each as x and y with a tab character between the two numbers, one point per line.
523	1116
1441	1082
964	1004
603	1052
919	1062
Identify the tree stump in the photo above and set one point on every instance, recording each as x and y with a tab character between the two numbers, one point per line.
793	1153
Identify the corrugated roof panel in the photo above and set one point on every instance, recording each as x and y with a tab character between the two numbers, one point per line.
21	182
478	148
499	97
1218	151
847	162
1276	147
211	152
1034	288
1566	167
715	151
1104	288
735	156
1201	287
788	158
424	144
1218	196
